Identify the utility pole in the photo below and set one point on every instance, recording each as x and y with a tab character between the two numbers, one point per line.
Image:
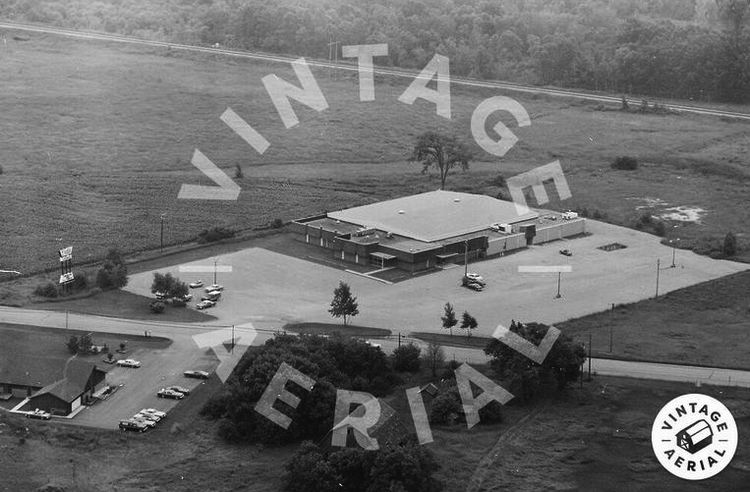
658	267
674	249
161	235
232	348
589	356
559	274
399	339
216	260
610	338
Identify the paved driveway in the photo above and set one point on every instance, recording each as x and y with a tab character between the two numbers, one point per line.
269	288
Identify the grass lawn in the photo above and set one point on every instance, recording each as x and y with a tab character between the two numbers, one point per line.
707	324
98	139
123	304
332	328
457	340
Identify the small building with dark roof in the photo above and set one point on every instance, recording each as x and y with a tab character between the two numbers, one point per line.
81	379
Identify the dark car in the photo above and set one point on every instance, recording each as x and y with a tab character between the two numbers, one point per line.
167	393
196	374
566	252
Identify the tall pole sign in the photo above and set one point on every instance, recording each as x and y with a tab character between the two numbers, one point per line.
66	265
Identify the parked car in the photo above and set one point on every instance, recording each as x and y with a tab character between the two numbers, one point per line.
160	295
475	286
179	389
129	363
214	296
214	287
153	411
39	415
166	393
196	374
205	304
147	416
133	425
150	423
196	285
187	297
566	252
475	277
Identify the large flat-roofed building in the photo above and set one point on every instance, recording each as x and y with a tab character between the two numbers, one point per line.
430	229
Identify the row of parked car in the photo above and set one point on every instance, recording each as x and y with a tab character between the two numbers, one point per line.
211	297
142	421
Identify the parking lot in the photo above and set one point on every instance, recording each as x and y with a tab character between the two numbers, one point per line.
270	289
138	386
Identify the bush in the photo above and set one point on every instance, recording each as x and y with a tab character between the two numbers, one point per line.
157	307
625	163
446	408
48	290
80	282
215	234
406	358
277	223
113	273
449	373
730	244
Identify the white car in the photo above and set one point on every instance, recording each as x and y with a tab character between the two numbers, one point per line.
213	287
187	297
196	374
39	414
146	416
196	285
474	277
205	304
155	412
129	363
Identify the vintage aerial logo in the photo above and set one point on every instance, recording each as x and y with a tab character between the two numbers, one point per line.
694	436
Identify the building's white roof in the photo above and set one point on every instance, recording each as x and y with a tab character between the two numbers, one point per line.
435	215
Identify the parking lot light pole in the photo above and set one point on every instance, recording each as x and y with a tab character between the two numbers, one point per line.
466	258
215	270
559	274
674	248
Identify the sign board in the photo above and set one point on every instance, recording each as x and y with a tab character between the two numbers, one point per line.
66	278
66	254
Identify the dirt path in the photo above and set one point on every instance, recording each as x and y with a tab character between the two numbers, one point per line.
480	474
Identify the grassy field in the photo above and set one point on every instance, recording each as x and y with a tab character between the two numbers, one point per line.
704	324
98	139
602	443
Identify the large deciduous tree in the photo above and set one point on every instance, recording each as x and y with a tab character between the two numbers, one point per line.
113	273
343	305
524	377
442	152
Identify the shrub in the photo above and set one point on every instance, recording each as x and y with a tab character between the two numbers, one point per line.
277	223
238	172
113	273
446	408
215	234
157	307
80	282
449	373
730	244
406	358
660	229
625	163
48	290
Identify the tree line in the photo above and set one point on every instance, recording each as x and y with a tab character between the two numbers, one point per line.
690	49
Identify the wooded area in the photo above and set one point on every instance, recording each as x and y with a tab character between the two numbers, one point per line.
690	49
